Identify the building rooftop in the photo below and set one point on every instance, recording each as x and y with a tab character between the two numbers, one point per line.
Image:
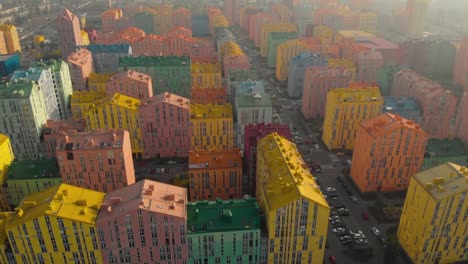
56	126
327	71
79	57
117	99
66	14
97	139
217	159
86	96
283	35
134	75
354	34
209	111
153	196
352	95
206	67
394	103
150	61
308	55
387	122
61	201
33	169
222	216
376	43
107	48
444	180
290	177
253	100
18	88
52	64
169	98
33	74
446	148
7	27
99	77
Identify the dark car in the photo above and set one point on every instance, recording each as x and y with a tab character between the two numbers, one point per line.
365	216
332	259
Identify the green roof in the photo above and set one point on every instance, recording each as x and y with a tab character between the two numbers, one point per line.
33	169
148	61
53	65
221	216
248	100
446	148
19	88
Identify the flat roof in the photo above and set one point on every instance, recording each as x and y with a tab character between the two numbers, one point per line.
19	88
253	100
33	169
216	159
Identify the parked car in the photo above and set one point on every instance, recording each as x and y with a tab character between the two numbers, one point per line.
361	241
353	198
365	216
335	222
345	237
333	217
330	189
376	231
339	230
332	259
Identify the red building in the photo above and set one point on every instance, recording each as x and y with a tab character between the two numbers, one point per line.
130	83
252	134
55	129
460	71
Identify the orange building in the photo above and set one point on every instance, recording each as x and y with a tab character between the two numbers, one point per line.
388	151
208	96
109	19
215	174
55	129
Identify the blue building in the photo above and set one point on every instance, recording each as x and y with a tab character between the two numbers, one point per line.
297	67
106	57
247	87
9	64
406	107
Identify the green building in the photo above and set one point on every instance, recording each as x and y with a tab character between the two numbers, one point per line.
23	116
274	40
385	77
30	176
442	151
224	231
168	73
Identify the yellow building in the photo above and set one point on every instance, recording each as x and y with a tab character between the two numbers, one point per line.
5	249
6	158
296	213
97	81
84	38
117	111
287	51
267	29
325	34
351	34
433	225
12	42
368	21
349	64
206	75
211	127
81	101
345	109
56	224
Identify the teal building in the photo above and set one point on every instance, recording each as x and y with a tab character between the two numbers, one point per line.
274	40
443	151
224	231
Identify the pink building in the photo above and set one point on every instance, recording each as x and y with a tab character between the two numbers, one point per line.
69	32
460	70
208	95
178	45
389	50
438	105
182	17
130	83
235	63
81	66
203	48
462	119
231	10
100	160
145	222
165	126
258	20
180	31
55	129
151	45
367	65
318	81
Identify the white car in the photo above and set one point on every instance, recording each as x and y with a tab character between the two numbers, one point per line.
376	231
317	146
361	241
353	198
172	162
330	189
338	230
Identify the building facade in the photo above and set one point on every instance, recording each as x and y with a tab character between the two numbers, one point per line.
106	56
11	41
81	101
55	129
432	226
441	151
69	32
291	49
206	75
416	12
97	81
6	158
209	96
9	64
80	63
406	107
462	119
130	83
460	70
297	71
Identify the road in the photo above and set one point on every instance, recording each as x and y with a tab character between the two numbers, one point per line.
288	111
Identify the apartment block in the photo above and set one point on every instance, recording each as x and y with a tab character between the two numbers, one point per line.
80	63
415	15
55	129
325	34
65	216
6	158
349	64
433	215
179	45
462	119
256	24
388	49
232	229
10	41
81	101
266	30
208	96
340	35
69	32
165	126
22	108
252	134
223	35
206	75
388	151
438	104
406	107
345	109
182	17
215	174
203	50
281	13
168	74
441	151
233	58
27	177
297	71
9	64
109	19
6	255
117	111
245	87
318	81
460	69
106	56
150	45
43	78
100	160
144	223
276	39
368	64
97	81
236	77
211	127
283	184
130	83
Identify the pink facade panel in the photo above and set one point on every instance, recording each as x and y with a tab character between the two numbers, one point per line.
55	129
69	32
165	126
235	63
178	45
151	45
81	66
130	83
203	48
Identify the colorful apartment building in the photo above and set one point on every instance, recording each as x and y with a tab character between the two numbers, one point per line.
84	38
460	69
256	24
106	56
318	81
462	119
406	107
345	109
349	64
223	35
168	74
182	17
69	32
340	35
150	45
388	151
208	96
215	174
368	64
440	151
6	255
388	49
62	83
281	13
100	160
233	58
432	226
145	222
283	184
275	39
415	16
56	224
229	230
81	101
252	134
297	68
245	87
109	19
325	34
6	158
165	126
237	77
206	75
97	81
22	108
55	129
203	50
10	43
117	111
211	127
27	177
266	30
80	63
438	104
8	64
130	83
